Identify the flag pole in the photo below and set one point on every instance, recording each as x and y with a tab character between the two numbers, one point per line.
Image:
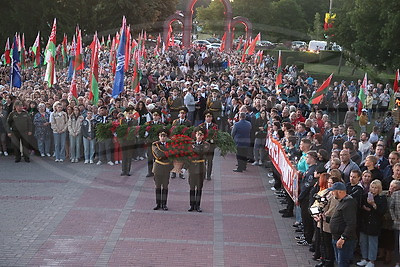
11	73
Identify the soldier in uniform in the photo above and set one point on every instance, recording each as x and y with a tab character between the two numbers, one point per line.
127	149
161	169
175	103
19	130
212	129
197	169
214	104
150	159
182	120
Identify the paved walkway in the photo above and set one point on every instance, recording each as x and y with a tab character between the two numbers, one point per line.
85	215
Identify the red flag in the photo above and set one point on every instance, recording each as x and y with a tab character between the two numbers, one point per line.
135	77
127	50
252	47
278	80
94	70
168	44
7	52
222	47
239	44
79	53
396	81
316	98
73	89
362	95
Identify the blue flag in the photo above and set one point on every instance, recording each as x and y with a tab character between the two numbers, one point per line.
119	74
70	68
15	71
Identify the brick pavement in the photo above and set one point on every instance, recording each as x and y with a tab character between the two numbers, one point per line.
65	214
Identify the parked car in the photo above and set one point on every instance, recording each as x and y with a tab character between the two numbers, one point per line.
201	42
316	46
214	45
266	44
214	40
297	45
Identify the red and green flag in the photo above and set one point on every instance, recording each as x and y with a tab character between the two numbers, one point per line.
94	71
362	95
36	51
135	77
278	80
22	52
222	46
252	47
317	97
7	50
108	41
127	48
50	52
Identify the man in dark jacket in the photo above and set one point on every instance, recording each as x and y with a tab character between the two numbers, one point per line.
306	184
19	130
343	224
241	135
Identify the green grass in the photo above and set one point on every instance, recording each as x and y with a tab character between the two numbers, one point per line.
322	71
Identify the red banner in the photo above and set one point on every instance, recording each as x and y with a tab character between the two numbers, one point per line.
283	165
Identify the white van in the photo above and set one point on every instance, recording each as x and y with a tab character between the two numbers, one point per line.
316	46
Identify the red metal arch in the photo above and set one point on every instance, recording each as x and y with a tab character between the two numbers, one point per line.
169	21
247	25
187	36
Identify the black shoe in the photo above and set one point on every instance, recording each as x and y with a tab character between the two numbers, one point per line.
316	257
128	174
157	207
237	170
312	249
283	211
123	174
208	178
199	209
181	176
150	175
27	160
191	208
165	207
17	160
287	215
173	175
299	230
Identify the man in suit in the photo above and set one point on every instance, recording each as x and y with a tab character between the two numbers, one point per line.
161	169
212	129
241	135
197	169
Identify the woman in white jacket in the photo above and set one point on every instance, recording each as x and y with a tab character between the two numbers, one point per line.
59	125
75	134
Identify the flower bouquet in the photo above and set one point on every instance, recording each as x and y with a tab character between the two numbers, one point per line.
180	151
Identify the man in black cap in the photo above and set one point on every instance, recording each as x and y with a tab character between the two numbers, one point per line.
182	120
212	129
343	224
161	169
150	159
197	169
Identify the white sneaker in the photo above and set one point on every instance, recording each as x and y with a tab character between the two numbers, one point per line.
120	162
370	264
48	154
363	262
110	163
255	163
91	161
86	162
99	162
42	155
5	153
57	160
369	122
260	162
141	158
72	160
272	181
1	152
116	162
273	188
60	160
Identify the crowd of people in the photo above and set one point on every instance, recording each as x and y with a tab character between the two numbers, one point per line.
350	176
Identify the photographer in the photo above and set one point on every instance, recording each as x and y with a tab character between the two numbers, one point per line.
326	205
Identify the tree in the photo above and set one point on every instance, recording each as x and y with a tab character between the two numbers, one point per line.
211	18
318	31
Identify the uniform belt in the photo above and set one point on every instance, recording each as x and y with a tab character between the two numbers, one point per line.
162	163
198	161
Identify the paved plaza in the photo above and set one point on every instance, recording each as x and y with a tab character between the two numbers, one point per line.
65	214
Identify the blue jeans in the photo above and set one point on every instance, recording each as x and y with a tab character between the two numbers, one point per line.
344	255
88	148
259	149
75	146
369	246
44	145
59	145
